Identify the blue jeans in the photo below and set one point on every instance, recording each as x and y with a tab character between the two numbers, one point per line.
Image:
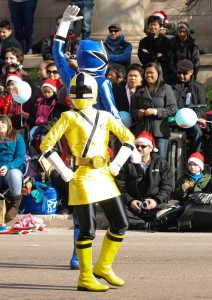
22	16
13	179
86	10
162	145
195	135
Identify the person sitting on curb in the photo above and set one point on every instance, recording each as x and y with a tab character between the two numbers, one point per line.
149	183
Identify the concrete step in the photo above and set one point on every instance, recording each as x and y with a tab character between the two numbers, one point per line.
63	221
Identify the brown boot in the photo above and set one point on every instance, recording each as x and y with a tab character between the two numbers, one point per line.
13	207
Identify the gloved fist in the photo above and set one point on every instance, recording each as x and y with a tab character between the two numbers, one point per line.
67	175
114	168
70	14
135	157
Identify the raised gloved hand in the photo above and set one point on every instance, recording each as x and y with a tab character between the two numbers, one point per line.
70	14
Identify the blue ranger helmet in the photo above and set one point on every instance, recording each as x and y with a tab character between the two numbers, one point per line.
92	57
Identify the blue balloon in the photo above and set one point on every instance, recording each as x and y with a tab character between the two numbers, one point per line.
21	92
186	117
125	118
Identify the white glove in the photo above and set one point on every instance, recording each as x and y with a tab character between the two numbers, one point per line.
67	175
135	157
120	159
114	168
70	14
55	160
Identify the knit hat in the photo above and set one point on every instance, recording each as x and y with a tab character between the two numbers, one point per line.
54	84
197	158
147	138
185	65
162	15
117	26
184	25
16	77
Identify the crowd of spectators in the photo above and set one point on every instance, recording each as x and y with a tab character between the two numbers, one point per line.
150	92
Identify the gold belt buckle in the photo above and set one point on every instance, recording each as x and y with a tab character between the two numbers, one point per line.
98	161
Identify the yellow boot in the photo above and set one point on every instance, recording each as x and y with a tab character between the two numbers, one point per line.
86	281
102	269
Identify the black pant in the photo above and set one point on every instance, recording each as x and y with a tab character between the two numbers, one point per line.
114	211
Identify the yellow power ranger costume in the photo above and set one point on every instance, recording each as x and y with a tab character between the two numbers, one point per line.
84	187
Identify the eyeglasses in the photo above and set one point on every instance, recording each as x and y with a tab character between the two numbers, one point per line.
141	146
183	73
52	72
113	30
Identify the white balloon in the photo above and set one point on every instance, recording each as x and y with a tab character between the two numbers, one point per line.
186	117
21	92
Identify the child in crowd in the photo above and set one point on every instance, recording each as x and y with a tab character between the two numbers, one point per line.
47	110
116	73
194	179
15	110
42	71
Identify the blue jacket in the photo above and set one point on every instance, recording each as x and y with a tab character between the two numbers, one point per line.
12	154
119	51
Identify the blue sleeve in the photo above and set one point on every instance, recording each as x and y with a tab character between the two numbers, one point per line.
123	57
19	154
66	73
105	99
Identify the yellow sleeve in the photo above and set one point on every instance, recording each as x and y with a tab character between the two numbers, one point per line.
56	132
119	130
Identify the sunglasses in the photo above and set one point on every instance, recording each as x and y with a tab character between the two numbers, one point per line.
182	73
113	30
141	146
52	72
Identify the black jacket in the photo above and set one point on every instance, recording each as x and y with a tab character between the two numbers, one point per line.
161	44
197	92
166	106
156	183
189	50
71	45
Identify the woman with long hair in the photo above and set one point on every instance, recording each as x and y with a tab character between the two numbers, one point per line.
12	156
151	106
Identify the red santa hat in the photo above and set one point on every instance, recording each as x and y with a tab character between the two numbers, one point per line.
15	77
54	84
162	15
197	158
146	138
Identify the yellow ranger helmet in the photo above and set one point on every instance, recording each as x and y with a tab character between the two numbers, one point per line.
83	90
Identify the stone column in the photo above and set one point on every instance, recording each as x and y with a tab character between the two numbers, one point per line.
129	14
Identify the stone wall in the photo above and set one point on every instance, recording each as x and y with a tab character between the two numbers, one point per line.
129	13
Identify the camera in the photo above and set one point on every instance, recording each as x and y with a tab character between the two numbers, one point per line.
144	204
72	56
